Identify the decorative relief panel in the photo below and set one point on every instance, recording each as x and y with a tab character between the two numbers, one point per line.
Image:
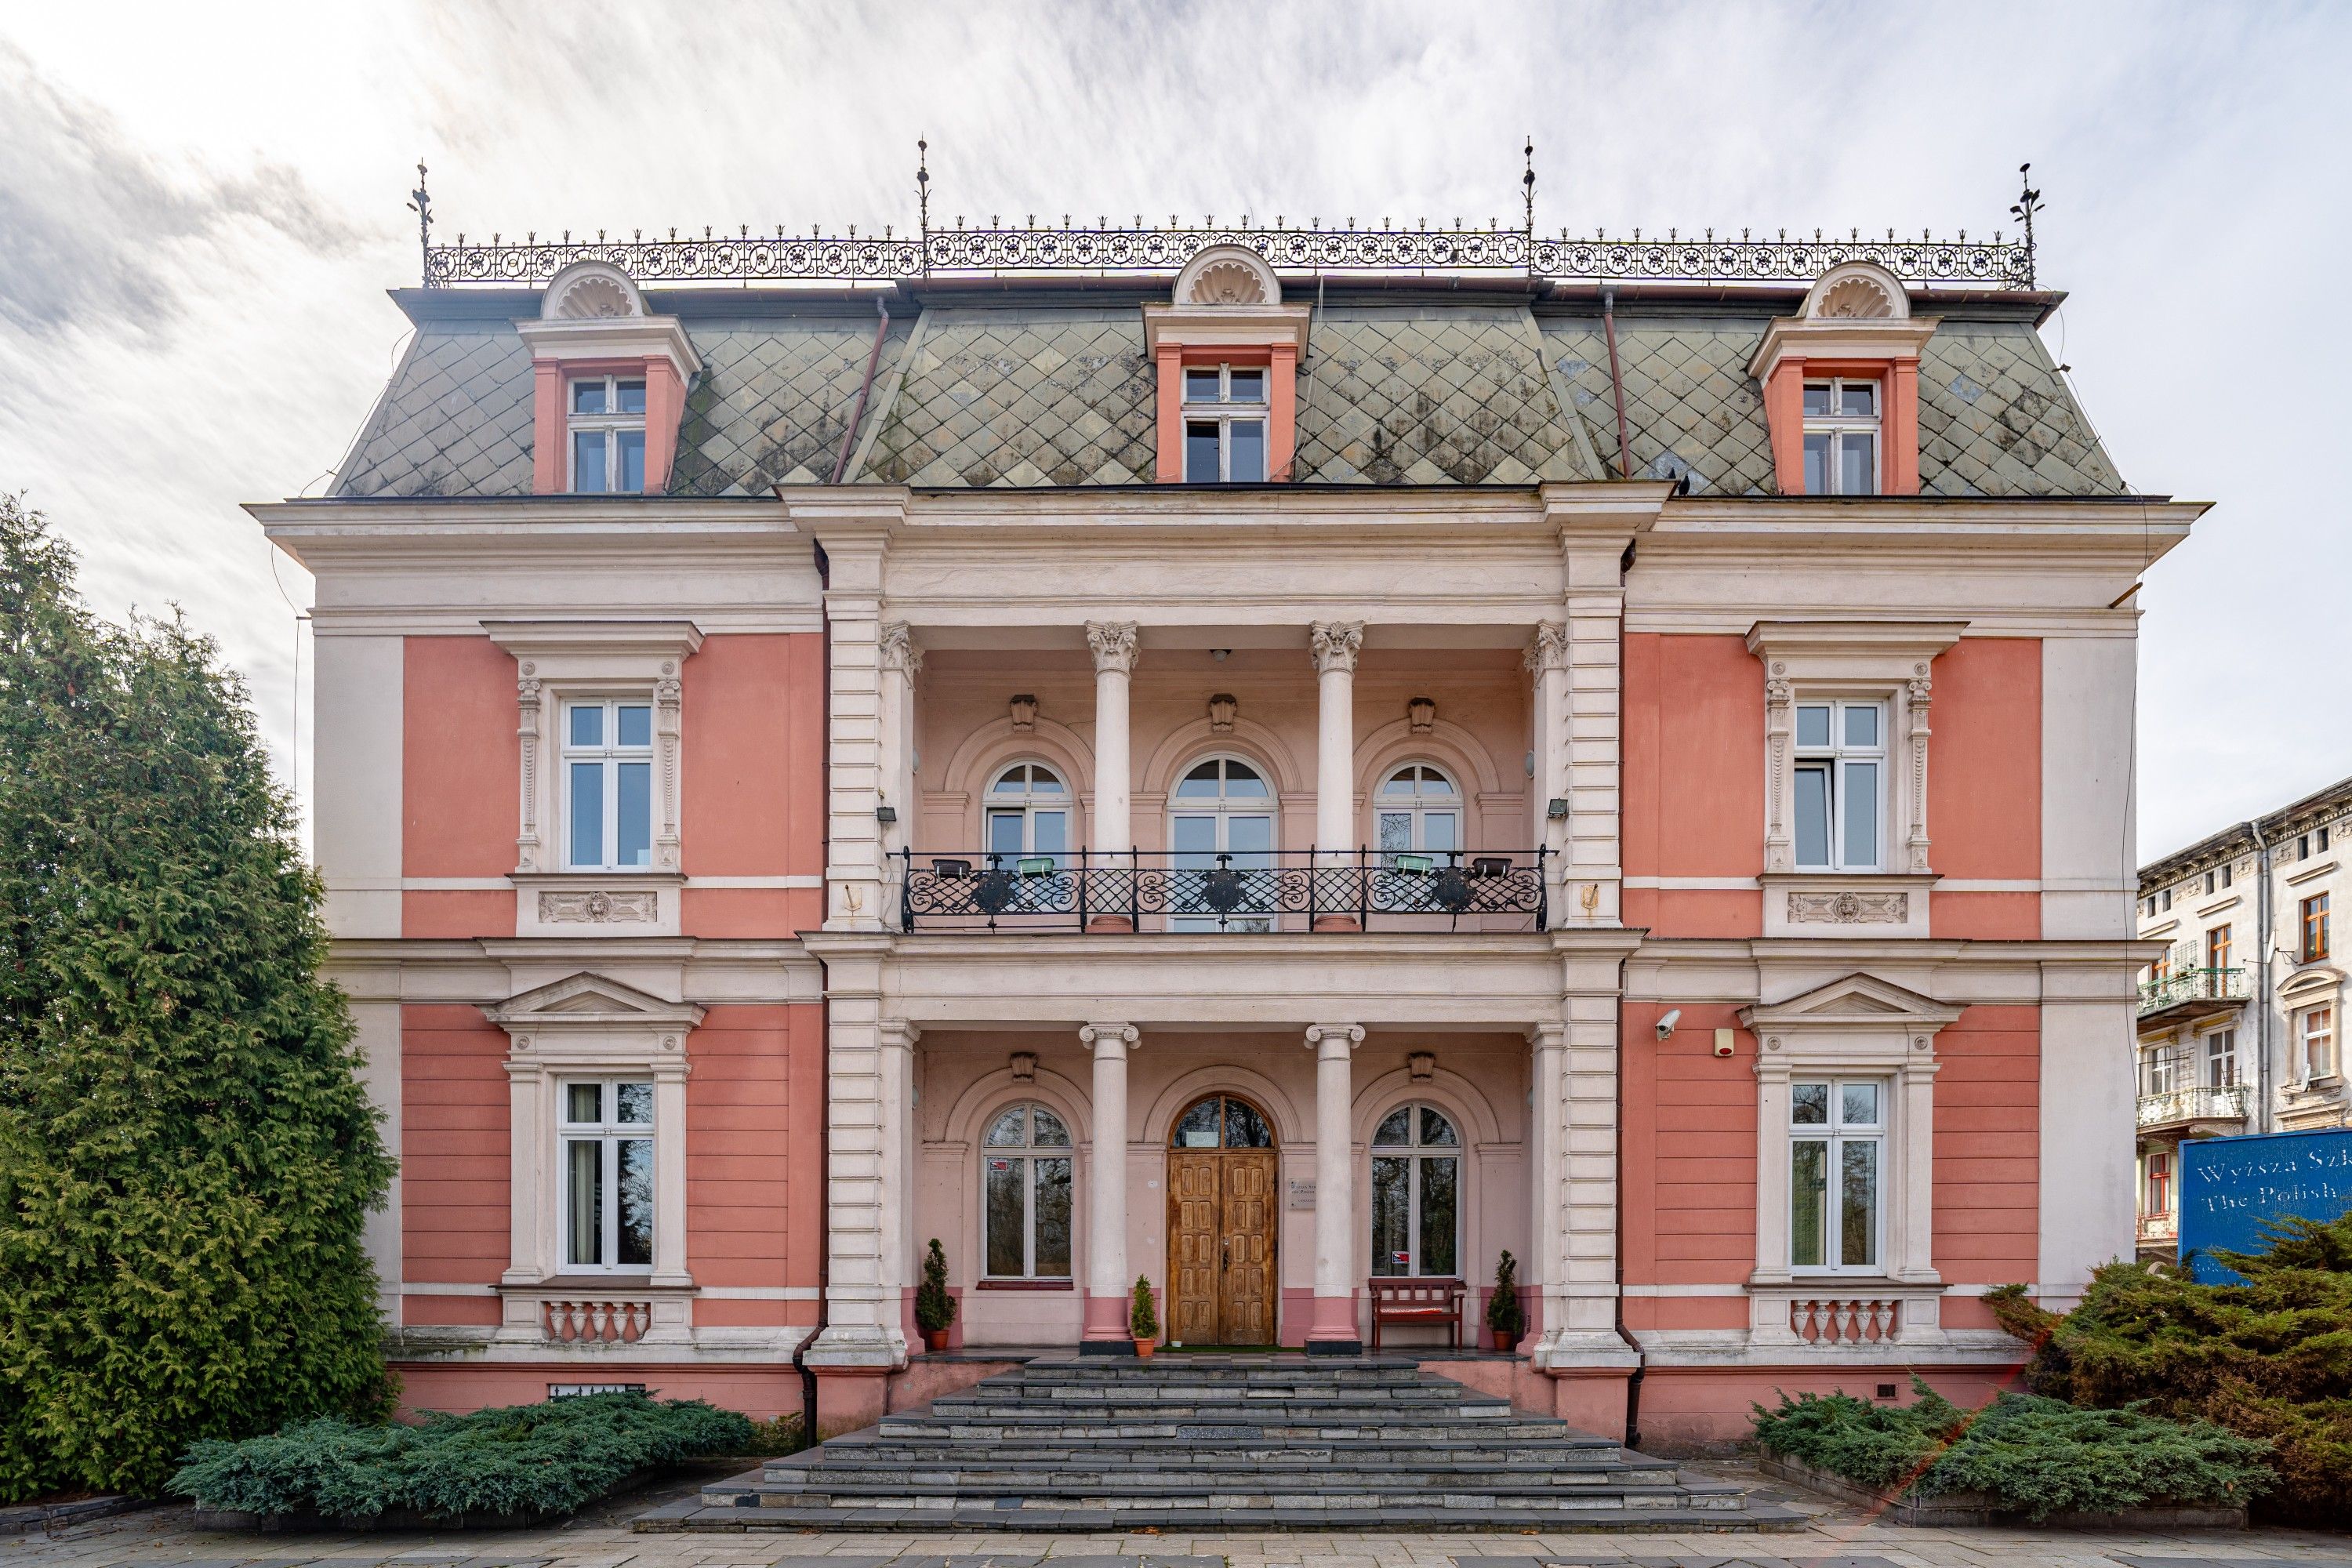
597	907
1850	907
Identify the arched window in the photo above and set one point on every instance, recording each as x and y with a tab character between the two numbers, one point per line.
1222	1121
1221	836
1416	1193
1028	812
1418	810
1024	1195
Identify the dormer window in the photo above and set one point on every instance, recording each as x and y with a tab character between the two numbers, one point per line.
607	425
1225	425
1842	437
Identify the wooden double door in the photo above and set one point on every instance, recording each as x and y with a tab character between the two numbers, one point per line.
1223	1213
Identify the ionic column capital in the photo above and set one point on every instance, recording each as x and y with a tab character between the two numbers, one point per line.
1334	1039
1114	644
1108	1040
1335	645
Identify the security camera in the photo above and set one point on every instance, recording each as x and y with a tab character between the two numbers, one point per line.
1666	1024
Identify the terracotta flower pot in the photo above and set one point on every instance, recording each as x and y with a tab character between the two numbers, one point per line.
1504	1341
1143	1348
935	1340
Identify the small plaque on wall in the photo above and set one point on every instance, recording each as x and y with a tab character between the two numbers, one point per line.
1302	1192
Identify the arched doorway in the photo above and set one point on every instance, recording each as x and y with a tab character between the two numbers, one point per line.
1222	1214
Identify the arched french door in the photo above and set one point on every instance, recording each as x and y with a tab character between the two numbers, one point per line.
1221	821
1222	1214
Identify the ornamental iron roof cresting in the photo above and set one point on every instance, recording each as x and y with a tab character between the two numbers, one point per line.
1109	250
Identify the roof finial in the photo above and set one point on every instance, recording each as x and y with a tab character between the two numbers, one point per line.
1527	182
2029	201
421	205
923	197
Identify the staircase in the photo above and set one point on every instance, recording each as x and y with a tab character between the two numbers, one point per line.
1212	1443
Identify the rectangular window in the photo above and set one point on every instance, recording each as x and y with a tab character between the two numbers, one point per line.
2167	899
1841	437
608	773
2159	1183
2222	1058
607	1136
2208	884
2217	948
1225	425
2314	928
607	418
2225	876
1836	1160
2315	1036
2303	846
1841	785
2323	836
2159	1070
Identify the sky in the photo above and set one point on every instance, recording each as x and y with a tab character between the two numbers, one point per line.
201	208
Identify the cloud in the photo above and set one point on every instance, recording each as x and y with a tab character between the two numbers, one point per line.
95	230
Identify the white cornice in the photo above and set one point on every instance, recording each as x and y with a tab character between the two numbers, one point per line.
1840	338
1224	326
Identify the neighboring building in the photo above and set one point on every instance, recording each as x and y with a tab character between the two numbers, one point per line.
1215	775
2241	1018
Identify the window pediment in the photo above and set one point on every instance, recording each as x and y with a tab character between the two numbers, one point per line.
1859	1001
589	1000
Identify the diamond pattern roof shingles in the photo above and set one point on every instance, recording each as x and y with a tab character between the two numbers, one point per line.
1061	395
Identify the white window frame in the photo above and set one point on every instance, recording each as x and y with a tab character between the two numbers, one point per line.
1224	807
1835	761
612	425
1419	806
1027	802
1028	1153
2318	1023
1834	1134
1225	412
606	1132
1416	1155
2152	1186
1836	427
2218	1056
607	756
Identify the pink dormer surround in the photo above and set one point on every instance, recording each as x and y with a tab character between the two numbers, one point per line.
1855	323
593	321
1227	310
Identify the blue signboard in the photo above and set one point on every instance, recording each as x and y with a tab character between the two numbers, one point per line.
2229	1186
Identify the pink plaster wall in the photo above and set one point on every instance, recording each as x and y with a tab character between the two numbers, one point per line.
454	1159
762	1393
754	1210
750	794
1984	786
461	774
1988	1151
1698	1410
1689	1156
1693	781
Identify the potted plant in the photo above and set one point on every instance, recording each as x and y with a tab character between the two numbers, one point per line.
935	1310
1505	1319
1142	1322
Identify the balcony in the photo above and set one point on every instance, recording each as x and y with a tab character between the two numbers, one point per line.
2194	1109
2160	1230
1240	892
2182	995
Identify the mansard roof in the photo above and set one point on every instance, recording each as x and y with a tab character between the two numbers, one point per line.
981	386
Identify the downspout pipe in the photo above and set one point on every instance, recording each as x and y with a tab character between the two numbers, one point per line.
825	1014
2261	998
857	418
1616	379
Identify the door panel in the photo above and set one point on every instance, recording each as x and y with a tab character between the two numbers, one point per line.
1247	1307
1192	1247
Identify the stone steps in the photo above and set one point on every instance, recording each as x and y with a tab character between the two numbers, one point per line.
1244	1442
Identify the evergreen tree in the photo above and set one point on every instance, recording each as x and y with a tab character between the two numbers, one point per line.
186	1155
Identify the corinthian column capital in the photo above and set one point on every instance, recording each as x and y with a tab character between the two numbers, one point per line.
1114	644
1336	644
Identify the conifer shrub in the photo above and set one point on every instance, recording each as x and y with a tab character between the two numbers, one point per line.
2270	1359
2035	1456
935	1310
522	1460
185	1153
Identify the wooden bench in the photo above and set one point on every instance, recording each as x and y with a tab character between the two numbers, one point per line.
1423	1301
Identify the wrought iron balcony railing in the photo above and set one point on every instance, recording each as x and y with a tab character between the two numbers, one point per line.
1145	890
2195	1103
2187	987
2159	1228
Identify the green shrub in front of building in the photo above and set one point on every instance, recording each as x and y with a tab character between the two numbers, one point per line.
2270	1359
524	1460
2035	1456
187	1154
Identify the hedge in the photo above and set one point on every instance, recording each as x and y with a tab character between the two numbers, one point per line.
522	1459
2035	1456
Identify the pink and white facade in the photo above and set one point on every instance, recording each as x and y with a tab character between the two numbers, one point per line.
1153	779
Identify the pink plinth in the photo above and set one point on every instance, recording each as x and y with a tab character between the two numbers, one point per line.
1107	1319
1335	1319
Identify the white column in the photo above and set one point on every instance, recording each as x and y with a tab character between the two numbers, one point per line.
1334	1331
1547	663
865	1100
1113	832
1336	644
1547	1260
669	1164
902	662
1106	1277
